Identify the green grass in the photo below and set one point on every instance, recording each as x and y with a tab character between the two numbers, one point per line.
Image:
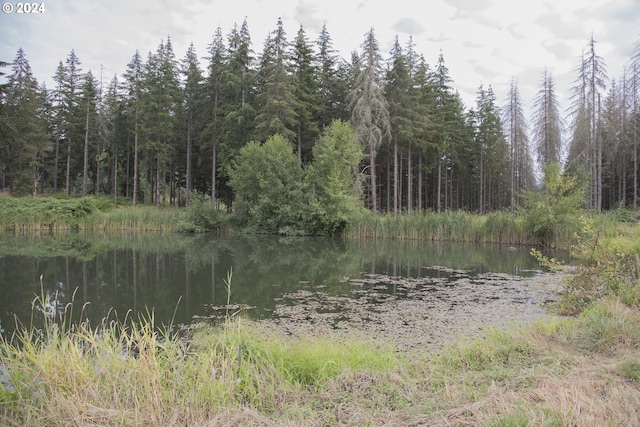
454	226
50	214
140	218
133	375
244	373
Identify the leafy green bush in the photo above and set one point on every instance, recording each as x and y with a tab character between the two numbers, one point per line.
267	180
275	195
35	213
331	178
202	216
555	212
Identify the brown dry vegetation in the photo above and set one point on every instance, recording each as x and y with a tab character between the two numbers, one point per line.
566	372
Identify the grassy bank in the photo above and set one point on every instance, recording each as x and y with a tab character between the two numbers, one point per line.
581	371
50	214
36	215
458	226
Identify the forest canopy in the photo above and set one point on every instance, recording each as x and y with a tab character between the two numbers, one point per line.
169	129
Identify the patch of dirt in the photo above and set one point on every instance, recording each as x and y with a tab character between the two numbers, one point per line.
422	314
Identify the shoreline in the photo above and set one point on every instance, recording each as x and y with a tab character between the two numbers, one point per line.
430	315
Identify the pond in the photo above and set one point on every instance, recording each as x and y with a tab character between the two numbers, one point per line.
294	282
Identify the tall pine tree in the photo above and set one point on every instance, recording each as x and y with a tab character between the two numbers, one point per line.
26	136
306	94
276	99
522	175
547	123
370	115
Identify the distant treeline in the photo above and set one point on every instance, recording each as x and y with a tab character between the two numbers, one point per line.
168	129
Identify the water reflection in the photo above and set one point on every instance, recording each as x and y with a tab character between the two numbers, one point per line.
182	276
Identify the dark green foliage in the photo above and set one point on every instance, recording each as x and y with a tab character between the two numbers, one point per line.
268	183
558	206
26	214
155	137
201	216
275	195
23	144
276	100
332	178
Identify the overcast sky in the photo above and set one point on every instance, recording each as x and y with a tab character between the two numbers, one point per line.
483	41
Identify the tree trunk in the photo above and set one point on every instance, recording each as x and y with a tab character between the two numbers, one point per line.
635	138
388	184
439	202
299	140
409	182
214	148
157	186
372	171
68	173
395	175
420	207
135	162
85	163
188	178
599	163
55	164
481	192
98	168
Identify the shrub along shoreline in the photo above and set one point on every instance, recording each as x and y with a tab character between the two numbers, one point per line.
576	370
50	214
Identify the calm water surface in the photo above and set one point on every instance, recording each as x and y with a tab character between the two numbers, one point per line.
180	277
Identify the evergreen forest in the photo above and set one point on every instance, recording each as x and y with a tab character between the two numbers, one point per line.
169	130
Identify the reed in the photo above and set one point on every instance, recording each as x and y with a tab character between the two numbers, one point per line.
561	372
129	373
457	226
36	215
52	214
139	218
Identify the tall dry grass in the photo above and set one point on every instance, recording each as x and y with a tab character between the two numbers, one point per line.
453	226
581	371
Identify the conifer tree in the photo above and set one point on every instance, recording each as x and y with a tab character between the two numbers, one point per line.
635	117
276	101
70	110
237	108
306	95
191	96
88	102
59	113
522	176
547	123
332	82
613	137
447	117
397	94
586	148
133	92
161	102
424	104
370	116
4	126
214	105
26	137
114	127
494	162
